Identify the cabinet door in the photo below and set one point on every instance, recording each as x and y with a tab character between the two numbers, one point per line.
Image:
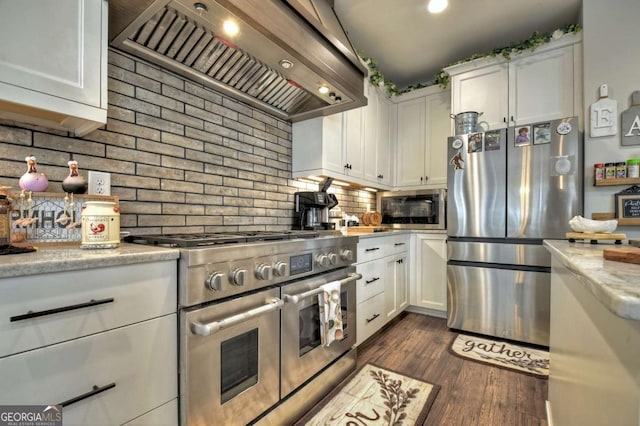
370	132
402	282
410	142
438	128
396	296
383	144
541	86
56	48
483	90
332	143
353	141
431	272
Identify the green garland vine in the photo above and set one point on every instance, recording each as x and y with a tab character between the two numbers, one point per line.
442	78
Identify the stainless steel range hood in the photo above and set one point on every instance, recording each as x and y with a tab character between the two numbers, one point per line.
187	37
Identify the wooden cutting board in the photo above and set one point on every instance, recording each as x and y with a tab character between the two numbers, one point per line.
594	237
629	255
365	229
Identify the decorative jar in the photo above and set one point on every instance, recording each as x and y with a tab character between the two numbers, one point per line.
100	225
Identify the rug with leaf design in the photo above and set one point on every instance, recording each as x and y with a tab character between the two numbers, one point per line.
375	396
526	359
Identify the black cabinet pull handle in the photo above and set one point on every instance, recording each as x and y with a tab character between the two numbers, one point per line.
96	390
32	314
426	178
372	318
504	119
398	244
372	280
512	118
400	261
372	249
380	176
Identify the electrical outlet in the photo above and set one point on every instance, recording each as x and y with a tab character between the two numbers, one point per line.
99	183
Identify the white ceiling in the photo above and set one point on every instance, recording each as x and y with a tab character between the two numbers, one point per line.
410	45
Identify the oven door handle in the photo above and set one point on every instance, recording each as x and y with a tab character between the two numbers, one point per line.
205	329
295	298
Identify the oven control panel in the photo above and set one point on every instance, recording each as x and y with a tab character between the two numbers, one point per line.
209	276
301	263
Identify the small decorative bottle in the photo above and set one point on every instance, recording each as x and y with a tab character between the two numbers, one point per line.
74	183
32	180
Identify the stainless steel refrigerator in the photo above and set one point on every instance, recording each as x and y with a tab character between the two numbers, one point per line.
508	190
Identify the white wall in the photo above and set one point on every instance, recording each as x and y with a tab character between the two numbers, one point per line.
611	40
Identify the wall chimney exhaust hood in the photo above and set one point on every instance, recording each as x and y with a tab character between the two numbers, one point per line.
289	58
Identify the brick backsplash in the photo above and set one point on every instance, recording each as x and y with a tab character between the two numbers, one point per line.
182	157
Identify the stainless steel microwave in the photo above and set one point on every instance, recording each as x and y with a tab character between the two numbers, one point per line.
419	209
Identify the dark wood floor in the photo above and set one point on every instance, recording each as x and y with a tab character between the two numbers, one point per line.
471	393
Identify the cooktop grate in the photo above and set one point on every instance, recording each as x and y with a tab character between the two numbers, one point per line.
218	238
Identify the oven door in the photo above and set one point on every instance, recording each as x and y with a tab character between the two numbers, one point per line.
230	360
302	354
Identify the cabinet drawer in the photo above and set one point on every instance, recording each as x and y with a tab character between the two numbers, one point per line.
141	360
165	415
372	248
370	317
398	244
372	281
73	304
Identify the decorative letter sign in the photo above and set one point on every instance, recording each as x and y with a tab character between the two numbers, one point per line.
603	115
631	121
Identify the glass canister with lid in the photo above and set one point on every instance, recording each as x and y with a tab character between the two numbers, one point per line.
100	225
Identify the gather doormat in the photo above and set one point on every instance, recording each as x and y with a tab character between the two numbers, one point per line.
375	396
502	354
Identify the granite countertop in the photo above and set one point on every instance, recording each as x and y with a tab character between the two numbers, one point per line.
615	284
390	231
58	258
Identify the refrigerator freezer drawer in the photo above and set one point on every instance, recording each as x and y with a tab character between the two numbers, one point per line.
492	252
504	303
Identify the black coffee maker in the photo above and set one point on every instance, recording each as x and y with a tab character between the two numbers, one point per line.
311	208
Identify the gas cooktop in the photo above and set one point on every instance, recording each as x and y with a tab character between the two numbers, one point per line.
216	238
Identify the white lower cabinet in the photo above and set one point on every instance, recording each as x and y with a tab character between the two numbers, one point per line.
429	272
396	294
100	342
165	415
382	292
130	363
370	317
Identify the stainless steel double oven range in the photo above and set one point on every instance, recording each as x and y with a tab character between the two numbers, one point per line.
249	338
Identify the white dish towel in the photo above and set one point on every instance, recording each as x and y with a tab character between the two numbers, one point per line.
330	313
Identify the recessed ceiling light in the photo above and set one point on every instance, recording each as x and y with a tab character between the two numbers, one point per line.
437	6
230	27
200	8
286	64
323	89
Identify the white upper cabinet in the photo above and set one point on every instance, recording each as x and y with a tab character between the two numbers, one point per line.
483	90
354	142
384	140
534	86
541	86
422	127
354	145
53	63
